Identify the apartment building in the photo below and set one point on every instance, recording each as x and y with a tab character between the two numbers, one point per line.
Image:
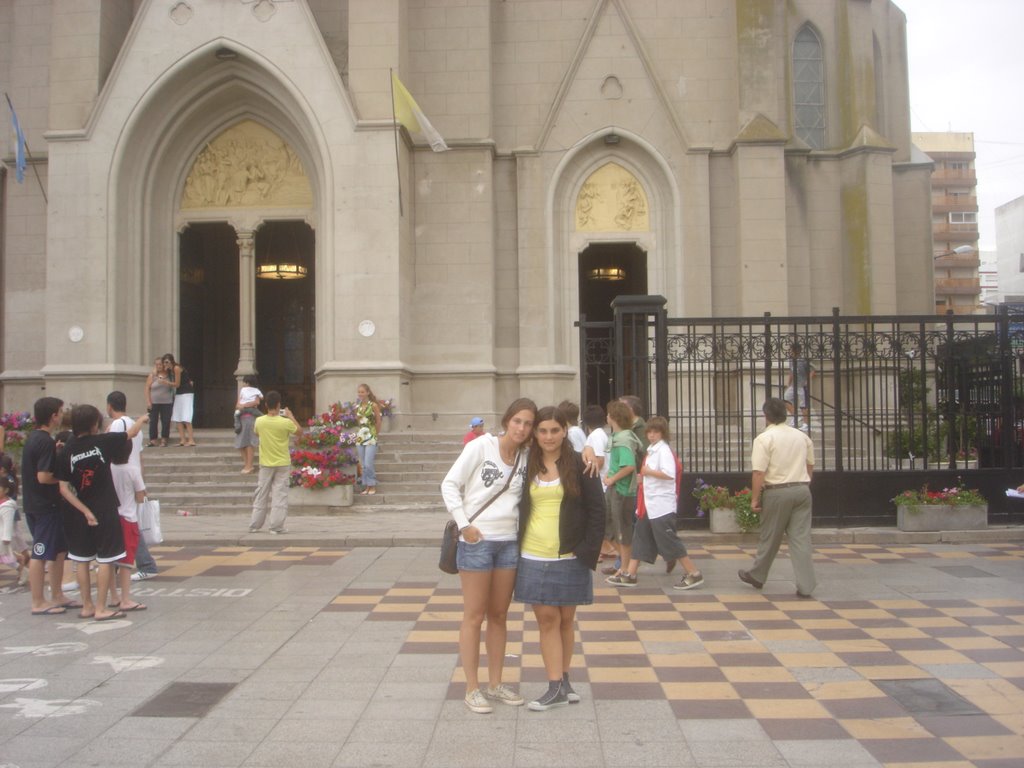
954	220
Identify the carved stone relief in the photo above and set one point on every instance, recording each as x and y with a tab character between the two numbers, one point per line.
247	165
612	200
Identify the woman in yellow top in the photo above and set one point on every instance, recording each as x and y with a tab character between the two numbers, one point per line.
368	414
561	526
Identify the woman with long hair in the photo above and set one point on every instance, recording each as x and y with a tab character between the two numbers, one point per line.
561	527
184	399
367	429
482	491
159	403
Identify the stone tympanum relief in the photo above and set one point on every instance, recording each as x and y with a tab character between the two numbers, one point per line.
247	165
612	200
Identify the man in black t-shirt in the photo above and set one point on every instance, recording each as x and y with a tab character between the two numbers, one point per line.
87	485
39	497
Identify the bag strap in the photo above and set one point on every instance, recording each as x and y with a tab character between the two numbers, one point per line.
504	488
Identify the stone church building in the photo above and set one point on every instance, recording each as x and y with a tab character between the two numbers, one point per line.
223	181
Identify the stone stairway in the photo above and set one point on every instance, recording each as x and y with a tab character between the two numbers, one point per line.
207	480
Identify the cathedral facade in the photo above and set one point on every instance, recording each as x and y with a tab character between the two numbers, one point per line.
223	180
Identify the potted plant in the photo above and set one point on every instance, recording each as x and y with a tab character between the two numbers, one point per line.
323	462
729	512
14	427
951	509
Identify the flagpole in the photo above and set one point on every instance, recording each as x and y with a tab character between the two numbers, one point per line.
28	152
394	119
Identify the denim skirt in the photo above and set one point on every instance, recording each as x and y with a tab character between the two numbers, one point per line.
554	582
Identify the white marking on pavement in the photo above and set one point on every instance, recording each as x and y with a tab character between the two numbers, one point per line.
197	592
95	627
121	663
12	684
31	708
52	649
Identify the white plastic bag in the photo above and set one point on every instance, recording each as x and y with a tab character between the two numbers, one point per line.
149	522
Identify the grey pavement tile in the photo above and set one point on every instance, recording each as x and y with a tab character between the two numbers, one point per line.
641	729
83	727
530	730
312	729
423	709
481	728
424	674
269	690
214	675
547	754
845	752
40	750
794	646
274	754
711	729
449	660
412	731
411	691
631	710
109	751
249	729
809	675
348	660
271	674
958	671
149	728
228	658
360	646
650	754
380	755
736	754
252	708
207	753
471	753
332	676
341	707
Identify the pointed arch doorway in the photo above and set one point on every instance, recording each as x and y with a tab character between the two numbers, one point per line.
607	270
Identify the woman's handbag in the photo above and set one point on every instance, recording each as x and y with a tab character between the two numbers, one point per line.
450	537
149	522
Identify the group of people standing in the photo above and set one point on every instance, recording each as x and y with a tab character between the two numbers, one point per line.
80	492
170	397
536	505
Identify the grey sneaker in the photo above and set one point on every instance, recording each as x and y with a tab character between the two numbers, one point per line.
621	580
253	529
278	530
476	702
690	580
549	700
506	695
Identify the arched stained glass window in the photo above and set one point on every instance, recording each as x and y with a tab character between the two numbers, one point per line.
809	87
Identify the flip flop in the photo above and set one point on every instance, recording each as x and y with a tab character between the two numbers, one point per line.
71	605
136	607
53	610
110	616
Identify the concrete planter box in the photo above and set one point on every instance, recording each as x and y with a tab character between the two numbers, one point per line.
724	521
939	517
320	500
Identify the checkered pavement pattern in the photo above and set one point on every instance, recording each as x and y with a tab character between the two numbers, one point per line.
804	669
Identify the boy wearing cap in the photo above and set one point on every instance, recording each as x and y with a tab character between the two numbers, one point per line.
476	428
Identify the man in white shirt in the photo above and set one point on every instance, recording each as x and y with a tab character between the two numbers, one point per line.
120	421
783	462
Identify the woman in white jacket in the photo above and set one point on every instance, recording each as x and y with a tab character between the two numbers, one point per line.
490	471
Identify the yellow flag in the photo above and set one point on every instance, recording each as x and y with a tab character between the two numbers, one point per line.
409	114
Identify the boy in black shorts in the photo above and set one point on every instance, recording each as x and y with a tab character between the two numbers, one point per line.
86	484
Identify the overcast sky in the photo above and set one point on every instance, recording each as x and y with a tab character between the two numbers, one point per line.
967	74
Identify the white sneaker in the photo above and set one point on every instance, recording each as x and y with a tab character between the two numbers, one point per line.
142	576
506	694
476	702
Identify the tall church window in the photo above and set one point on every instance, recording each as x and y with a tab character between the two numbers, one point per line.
809	87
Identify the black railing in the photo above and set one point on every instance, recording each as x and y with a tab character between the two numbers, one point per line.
887	394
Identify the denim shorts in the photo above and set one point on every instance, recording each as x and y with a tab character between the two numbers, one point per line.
487	555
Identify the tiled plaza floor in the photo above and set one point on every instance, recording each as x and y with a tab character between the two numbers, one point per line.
907	656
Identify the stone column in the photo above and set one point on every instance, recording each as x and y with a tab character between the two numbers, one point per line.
246	303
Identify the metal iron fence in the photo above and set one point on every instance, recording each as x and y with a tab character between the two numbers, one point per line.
891	401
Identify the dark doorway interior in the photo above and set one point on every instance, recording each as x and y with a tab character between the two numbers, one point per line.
285	310
208	323
607	270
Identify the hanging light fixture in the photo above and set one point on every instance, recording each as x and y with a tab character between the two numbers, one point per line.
281	260
607	274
